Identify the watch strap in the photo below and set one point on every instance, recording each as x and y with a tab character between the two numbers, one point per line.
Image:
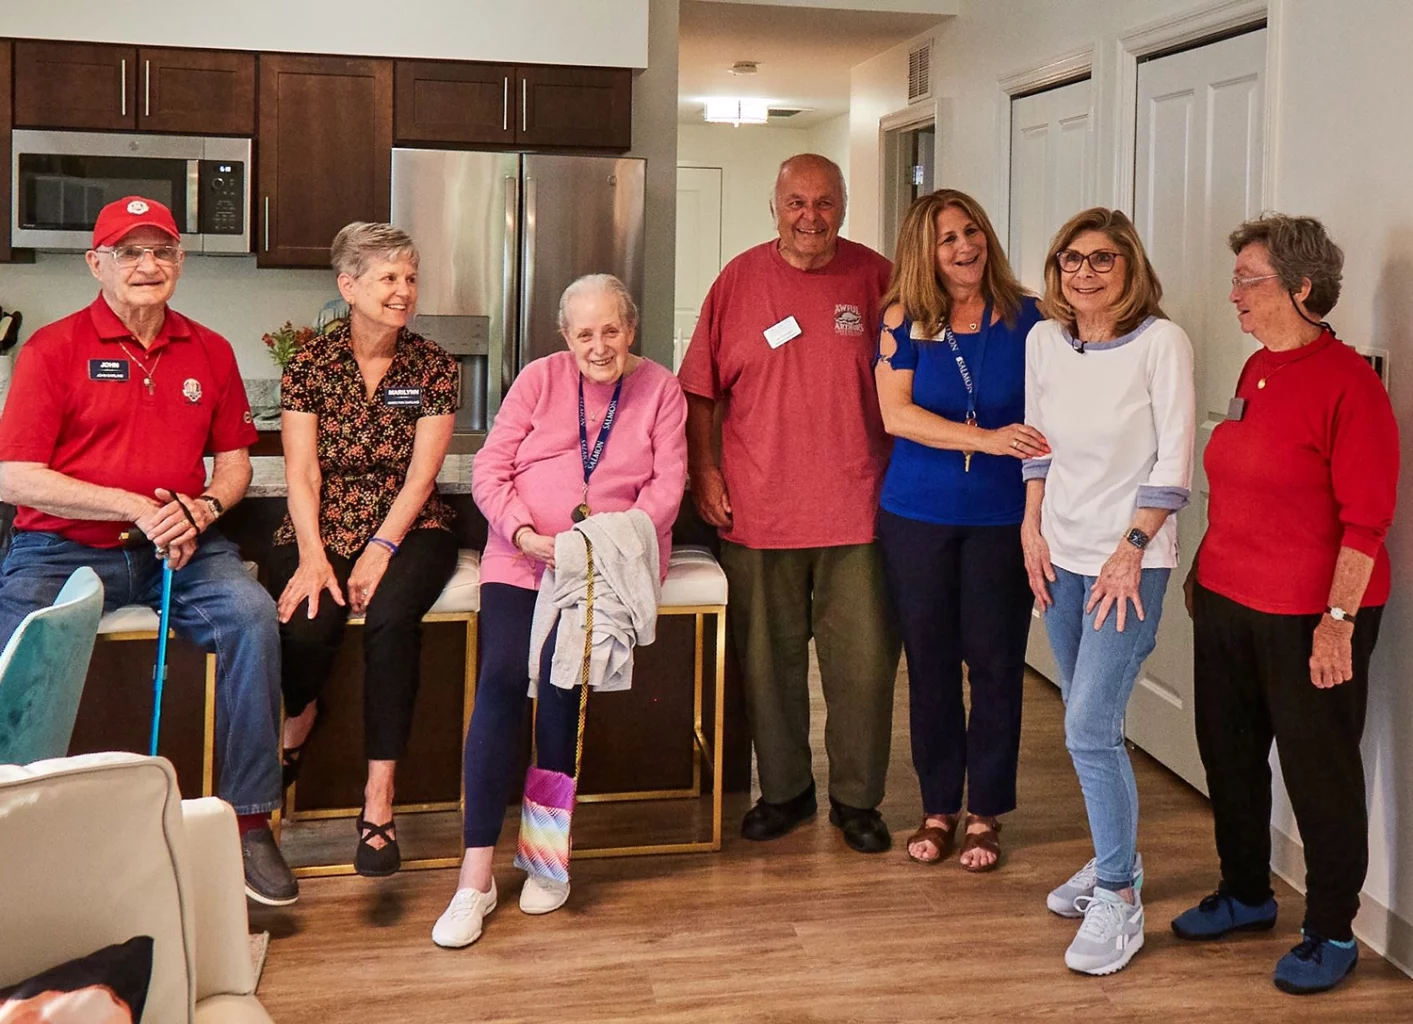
1339	614
214	503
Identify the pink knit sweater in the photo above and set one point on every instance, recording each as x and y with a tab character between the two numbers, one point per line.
530	474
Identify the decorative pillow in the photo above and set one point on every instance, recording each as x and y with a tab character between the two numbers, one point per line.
105	987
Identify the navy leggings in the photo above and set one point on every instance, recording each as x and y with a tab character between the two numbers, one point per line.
497	721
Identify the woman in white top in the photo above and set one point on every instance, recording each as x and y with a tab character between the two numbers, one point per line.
1109	384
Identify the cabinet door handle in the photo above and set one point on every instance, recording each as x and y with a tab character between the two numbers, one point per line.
505	106
524	106
267	223
147	88
123	86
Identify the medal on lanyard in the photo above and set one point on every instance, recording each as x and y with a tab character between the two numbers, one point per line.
590	459
967	379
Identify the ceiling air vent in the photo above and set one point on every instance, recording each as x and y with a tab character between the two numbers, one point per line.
920	73
779	113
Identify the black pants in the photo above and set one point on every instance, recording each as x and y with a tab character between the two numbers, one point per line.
392	635
961	595
1252	685
502	695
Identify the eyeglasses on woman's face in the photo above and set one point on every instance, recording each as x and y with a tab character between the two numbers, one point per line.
132	255
1101	261
1242	283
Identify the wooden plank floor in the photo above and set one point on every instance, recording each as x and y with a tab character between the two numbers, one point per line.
804	930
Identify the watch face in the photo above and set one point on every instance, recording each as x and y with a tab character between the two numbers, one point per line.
1137	538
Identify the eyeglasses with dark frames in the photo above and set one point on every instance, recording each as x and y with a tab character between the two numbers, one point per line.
1101	261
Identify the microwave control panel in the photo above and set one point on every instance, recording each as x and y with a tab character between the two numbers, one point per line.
222	206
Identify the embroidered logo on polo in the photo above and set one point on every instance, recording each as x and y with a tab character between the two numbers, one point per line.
108	369
847	319
138	207
191	390
403	398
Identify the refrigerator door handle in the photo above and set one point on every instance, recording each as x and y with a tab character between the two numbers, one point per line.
510	347
527	273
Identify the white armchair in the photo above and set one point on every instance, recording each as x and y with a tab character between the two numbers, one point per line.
98	848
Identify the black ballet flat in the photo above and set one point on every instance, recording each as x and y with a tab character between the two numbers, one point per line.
369	861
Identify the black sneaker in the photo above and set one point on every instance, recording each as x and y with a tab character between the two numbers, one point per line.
863	828
268	879
771	821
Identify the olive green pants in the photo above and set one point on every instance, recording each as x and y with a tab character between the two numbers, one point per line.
780	598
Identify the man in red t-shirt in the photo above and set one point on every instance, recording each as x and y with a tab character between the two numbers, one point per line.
785	347
110	411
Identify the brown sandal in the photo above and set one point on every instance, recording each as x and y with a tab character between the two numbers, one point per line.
939	836
988	839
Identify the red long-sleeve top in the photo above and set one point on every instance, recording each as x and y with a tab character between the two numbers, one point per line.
1311	467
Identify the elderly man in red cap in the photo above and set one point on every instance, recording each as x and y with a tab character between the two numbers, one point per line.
110	412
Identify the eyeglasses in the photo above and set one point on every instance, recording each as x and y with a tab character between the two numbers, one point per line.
132	255
1247	282
1101	261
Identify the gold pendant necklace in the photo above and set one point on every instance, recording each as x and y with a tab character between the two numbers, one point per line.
147	374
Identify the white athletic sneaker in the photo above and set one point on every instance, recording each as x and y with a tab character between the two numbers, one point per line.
460	923
1111	933
1081	883
542	895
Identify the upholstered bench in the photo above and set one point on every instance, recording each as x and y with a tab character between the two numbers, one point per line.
695	586
460	601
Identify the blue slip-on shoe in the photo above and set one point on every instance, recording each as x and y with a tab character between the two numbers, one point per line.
1315	965
1219	914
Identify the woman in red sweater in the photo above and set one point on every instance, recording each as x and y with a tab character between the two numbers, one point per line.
1290	584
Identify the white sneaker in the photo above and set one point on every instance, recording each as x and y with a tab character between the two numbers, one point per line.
542	895
1111	933
460	923
1081	883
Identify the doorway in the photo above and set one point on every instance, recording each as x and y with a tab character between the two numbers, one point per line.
909	159
698	250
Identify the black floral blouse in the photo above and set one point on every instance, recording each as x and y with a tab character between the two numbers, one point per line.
365	444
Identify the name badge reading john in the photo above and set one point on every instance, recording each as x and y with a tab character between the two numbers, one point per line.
778	334
403	398
107	369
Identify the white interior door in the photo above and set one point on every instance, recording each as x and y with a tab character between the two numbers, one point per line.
698	248
1052	174
1198	174
1052	179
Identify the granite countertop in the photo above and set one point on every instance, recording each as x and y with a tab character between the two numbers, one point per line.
268	478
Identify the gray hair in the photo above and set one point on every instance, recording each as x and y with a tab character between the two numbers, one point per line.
360	243
1300	248
608	285
819	161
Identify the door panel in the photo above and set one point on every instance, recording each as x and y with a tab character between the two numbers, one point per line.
698	248
1052	175
202	92
1198	174
75	85
445	101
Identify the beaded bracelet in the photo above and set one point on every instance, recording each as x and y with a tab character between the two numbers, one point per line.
385	543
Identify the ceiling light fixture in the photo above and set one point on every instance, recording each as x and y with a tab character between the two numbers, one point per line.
736	111
744	67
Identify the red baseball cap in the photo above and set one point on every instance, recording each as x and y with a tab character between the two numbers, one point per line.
123	215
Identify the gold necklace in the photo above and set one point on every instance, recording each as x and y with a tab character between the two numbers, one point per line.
1261	384
147	379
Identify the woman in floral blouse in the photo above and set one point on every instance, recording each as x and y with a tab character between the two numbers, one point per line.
367	417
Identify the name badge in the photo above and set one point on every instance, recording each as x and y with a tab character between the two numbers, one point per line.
778	334
403	398
1236	408
107	369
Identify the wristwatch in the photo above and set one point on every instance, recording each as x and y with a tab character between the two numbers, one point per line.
1339	614
1137	538
214	503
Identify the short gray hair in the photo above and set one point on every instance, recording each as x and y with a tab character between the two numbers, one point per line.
609	285
360	243
1299	248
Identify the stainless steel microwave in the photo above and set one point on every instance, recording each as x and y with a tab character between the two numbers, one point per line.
62	179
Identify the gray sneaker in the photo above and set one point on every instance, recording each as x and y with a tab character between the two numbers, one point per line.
1081	883
1111	933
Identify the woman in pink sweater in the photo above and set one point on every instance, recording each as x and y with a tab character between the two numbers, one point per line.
593	429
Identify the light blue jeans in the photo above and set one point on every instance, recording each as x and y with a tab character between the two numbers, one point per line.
1097	672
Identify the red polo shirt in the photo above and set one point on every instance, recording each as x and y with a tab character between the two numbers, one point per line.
77	403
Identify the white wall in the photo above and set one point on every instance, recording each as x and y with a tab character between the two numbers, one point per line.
655	134
611	33
1341	150
831	138
877	87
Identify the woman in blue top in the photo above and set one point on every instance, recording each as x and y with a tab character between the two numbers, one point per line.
951	386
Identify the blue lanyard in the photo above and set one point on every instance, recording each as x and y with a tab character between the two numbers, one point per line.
967	379
591	459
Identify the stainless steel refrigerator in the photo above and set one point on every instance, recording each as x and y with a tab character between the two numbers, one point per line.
500	236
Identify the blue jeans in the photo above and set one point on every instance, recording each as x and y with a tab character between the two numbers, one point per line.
215	604
1097	673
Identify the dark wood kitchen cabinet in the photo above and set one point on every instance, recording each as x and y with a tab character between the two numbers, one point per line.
454	101
126	88
201	92
576	107
324	153
75	85
5	156
501	105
